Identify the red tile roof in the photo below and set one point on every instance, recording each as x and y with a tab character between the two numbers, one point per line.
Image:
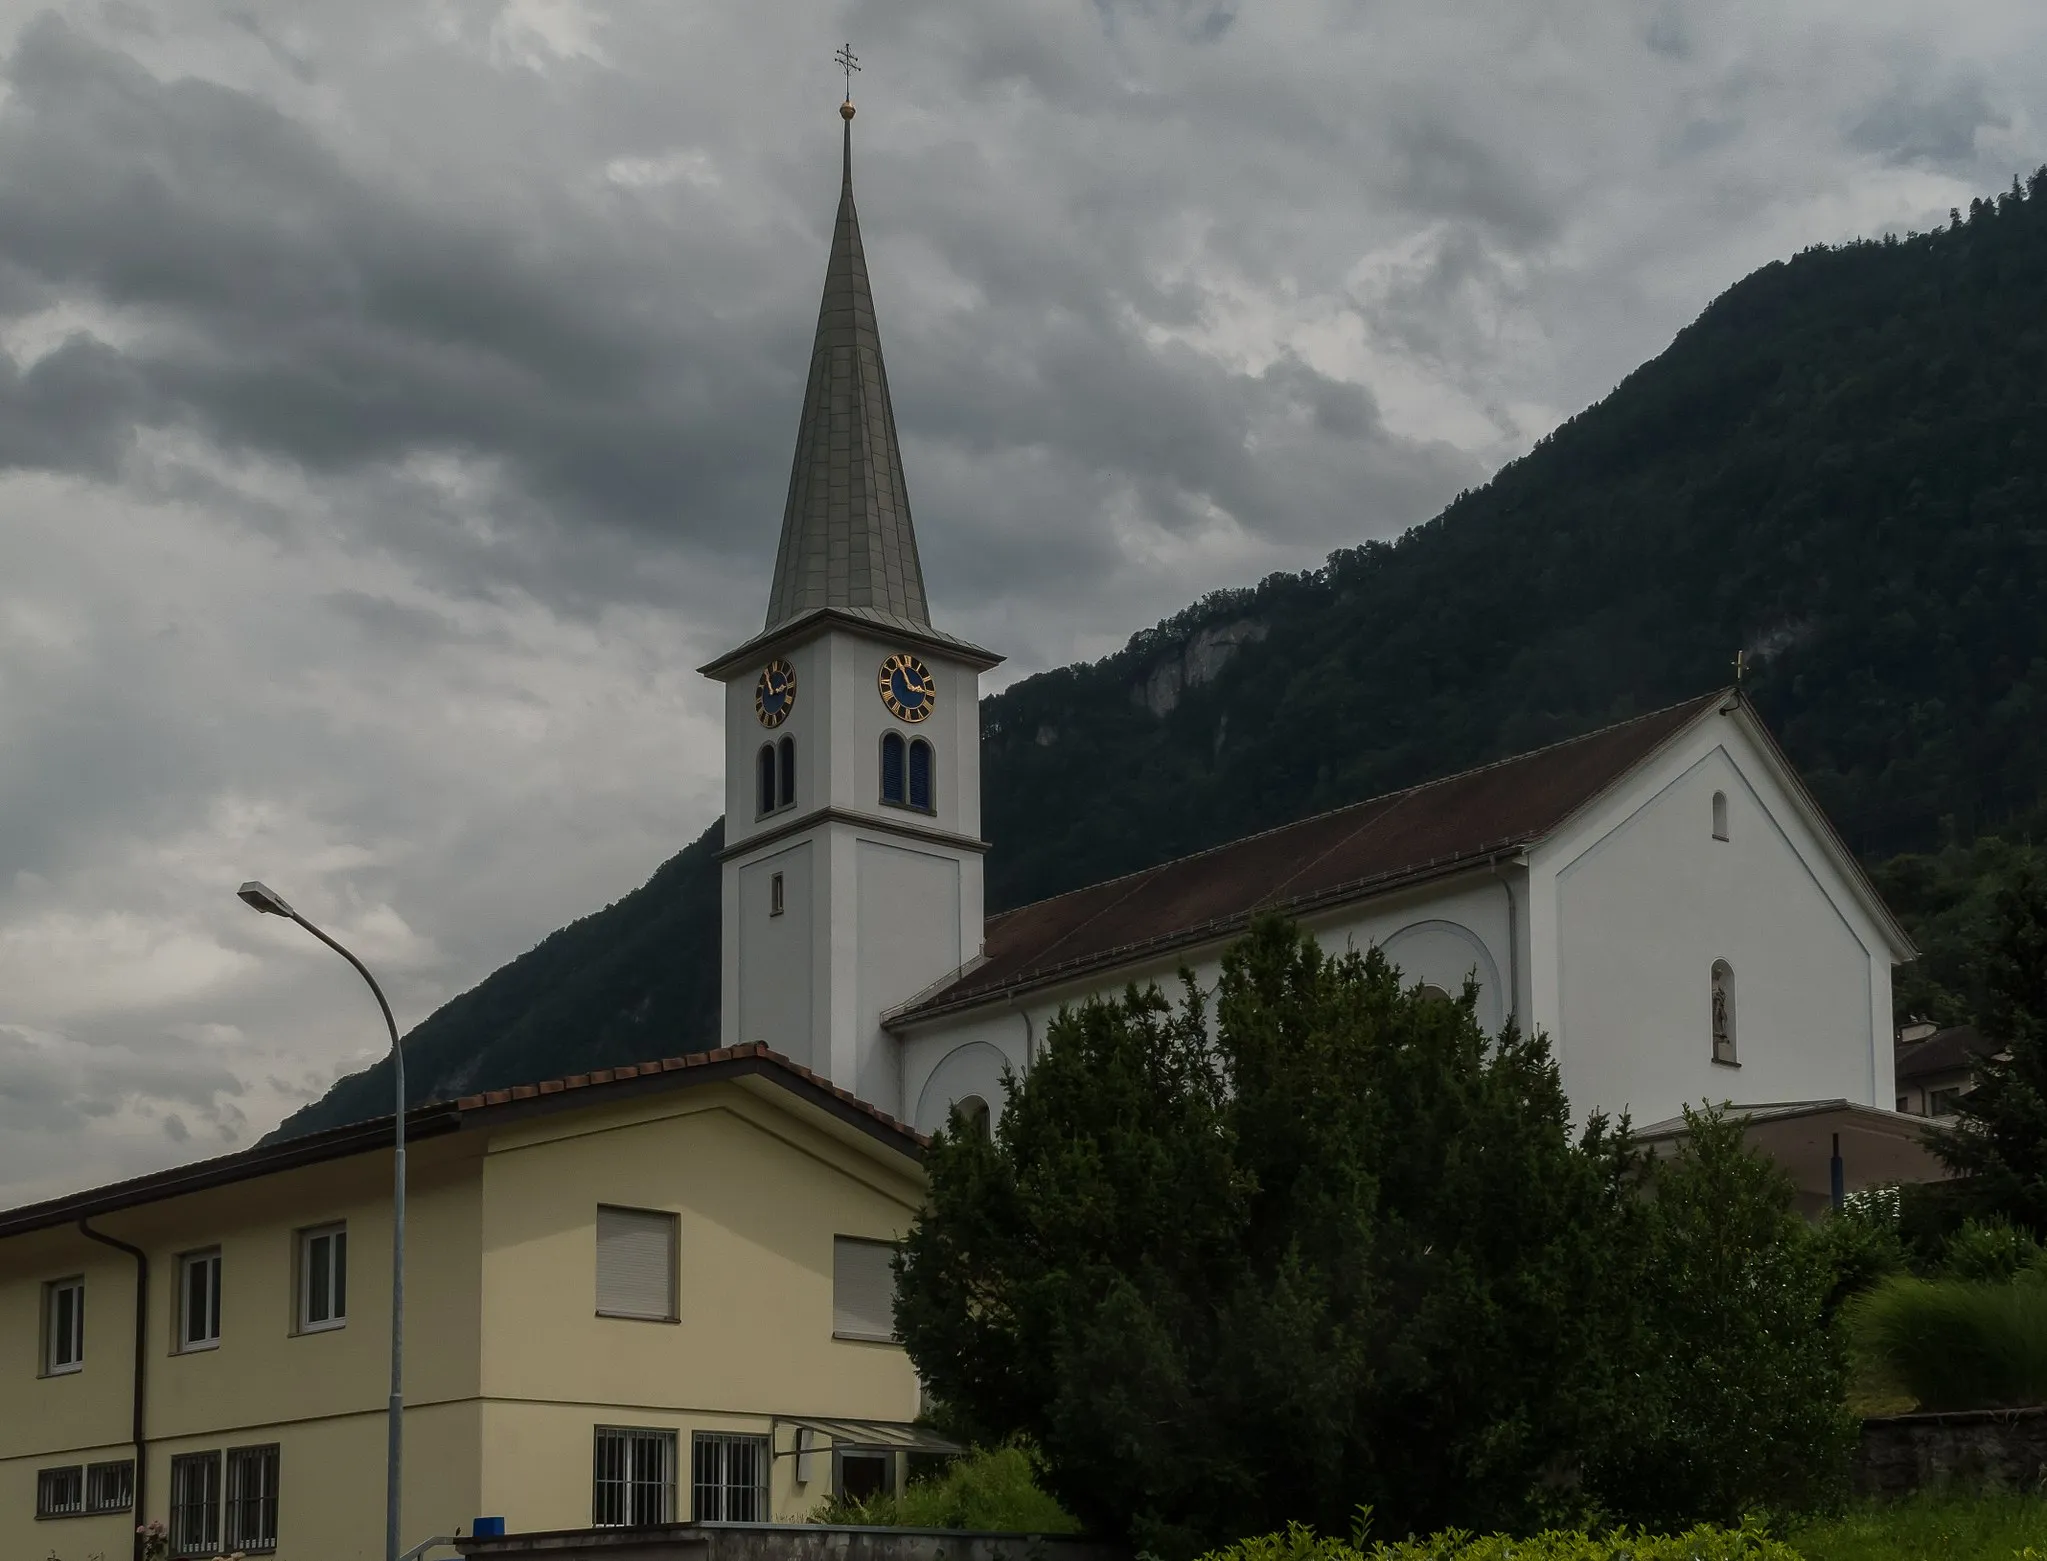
1355	851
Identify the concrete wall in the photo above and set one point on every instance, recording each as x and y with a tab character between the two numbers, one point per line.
1904	1453
808	1542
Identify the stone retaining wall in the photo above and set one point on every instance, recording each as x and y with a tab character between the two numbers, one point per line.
1903	1453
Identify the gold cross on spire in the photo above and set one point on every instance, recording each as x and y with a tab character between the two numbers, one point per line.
849	62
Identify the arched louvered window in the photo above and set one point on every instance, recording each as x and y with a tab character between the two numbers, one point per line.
765	791
786	793
920	775
892	767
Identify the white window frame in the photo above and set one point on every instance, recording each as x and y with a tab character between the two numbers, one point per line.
207	1335
631	1448
336	1298
56	1340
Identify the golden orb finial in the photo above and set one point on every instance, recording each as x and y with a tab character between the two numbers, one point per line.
846	109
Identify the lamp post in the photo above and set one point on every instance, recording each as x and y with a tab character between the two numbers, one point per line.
271	903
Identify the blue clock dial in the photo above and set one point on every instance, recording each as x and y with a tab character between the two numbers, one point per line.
907	688
774	696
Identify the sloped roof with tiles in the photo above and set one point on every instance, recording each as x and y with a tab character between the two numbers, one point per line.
1426	831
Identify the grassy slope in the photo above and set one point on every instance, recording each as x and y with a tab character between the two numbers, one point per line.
1991	1526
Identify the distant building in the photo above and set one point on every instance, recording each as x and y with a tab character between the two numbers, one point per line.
1935	1067
647	1295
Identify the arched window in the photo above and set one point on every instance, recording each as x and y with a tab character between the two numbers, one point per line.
1719	815
920	775
1431	994
766	789
1723	1011
785	795
892	768
972	1112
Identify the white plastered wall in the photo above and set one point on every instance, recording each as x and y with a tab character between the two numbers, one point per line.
1631	904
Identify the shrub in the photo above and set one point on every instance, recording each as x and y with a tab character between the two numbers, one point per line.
1957	1343
995	1489
1990	1251
1698	1544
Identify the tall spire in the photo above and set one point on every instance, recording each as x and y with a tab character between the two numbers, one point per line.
846	536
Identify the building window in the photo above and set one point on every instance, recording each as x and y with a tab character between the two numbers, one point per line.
1723	1011
863	1289
764	764
1941	1102
110	1487
199	1300
63	1326
863	1473
251	1498
729	1478
323	1278
636	1264
1719	815
635	1477
892	766
195	1504
785	792
973	1118
920	776
60	1493
776	901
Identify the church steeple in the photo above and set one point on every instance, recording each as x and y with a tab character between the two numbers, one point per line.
847	541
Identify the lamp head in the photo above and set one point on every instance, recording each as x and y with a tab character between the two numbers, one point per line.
263	898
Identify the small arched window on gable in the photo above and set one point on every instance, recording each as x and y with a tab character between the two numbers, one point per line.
765	789
785	792
920	776
1723	1012
892	767
1719	815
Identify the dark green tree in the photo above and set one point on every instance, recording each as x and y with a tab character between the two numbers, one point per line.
1999	1138
1325	1244
1737	1398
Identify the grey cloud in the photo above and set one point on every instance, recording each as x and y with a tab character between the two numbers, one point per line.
1913	125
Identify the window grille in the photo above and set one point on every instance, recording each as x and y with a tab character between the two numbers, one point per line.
730	1478
920	775
785	794
635	1477
195	1504
636	1264
199	1300
60	1493
323	1278
251	1510
64	1336
110	1487
863	1289
892	769
766	788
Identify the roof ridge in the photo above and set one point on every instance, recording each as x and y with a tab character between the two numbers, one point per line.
1398	794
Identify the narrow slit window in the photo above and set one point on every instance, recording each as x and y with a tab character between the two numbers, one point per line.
64	1326
892	765
1719	815
785	795
199	1300
1723	1011
776	903
766	766
920	775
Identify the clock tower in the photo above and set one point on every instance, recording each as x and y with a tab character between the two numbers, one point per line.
852	864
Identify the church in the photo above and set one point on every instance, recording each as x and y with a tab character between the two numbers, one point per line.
1663	898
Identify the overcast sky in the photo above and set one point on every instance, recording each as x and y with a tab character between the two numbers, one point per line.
396	399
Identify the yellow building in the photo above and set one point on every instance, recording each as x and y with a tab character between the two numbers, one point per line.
651	1294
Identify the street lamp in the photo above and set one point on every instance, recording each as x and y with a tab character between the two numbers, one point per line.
271	903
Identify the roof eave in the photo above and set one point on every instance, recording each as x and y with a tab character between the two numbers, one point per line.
816	622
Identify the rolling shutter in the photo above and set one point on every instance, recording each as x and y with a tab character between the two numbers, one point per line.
636	1263
863	1289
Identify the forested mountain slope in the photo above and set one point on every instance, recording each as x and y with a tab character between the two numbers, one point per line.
1840	467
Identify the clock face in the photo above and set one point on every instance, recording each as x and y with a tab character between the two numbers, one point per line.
774	696
907	688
